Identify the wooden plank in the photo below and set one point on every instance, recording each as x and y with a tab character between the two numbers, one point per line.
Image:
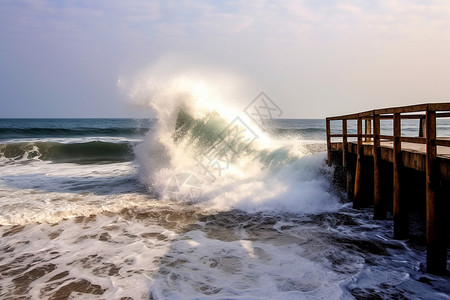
413	117
418	140
386	137
443	115
352	135
367	149
336	146
386	154
365	114
406	158
347	117
439	106
385	112
441	142
402	109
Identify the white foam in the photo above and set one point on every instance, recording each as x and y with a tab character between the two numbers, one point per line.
45	192
109	252
242	269
75	140
276	176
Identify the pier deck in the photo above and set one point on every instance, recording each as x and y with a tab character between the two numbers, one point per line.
427	154
413	155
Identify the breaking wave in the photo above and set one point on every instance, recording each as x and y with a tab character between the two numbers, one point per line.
235	163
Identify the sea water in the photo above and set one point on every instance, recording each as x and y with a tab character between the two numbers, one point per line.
164	209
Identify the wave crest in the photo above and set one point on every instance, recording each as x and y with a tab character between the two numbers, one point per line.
235	163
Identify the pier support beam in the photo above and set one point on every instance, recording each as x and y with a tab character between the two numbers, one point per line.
344	144
401	225
379	211
350	179
345	160
436	237
328	143
358	180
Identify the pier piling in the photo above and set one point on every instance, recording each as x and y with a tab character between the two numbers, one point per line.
358	179
379	211
401	226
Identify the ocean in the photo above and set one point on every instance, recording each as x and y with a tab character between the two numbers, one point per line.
191	206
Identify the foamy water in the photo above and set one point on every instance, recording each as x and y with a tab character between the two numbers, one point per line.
164	250
98	214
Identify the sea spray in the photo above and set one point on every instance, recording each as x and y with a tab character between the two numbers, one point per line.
235	163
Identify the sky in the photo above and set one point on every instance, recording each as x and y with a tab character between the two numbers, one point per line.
313	58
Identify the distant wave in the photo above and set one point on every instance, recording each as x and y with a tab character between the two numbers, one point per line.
303	132
11	133
89	152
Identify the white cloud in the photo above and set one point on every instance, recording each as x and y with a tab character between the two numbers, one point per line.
317	51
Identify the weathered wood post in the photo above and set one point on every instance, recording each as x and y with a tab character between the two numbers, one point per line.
345	162
379	211
401	226
422	126
358	180
368	130
344	143
328	142
436	239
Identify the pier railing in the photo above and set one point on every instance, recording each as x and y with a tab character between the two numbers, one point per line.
427	115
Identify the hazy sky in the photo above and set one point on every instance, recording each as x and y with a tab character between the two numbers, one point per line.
313	58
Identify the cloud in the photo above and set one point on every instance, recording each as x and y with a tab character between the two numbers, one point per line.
318	51
293	22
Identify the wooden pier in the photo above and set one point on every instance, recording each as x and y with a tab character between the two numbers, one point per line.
368	156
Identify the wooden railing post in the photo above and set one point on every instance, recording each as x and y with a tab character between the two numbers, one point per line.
328	143
401	226
358	180
368	130
436	238
379	211
422	126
